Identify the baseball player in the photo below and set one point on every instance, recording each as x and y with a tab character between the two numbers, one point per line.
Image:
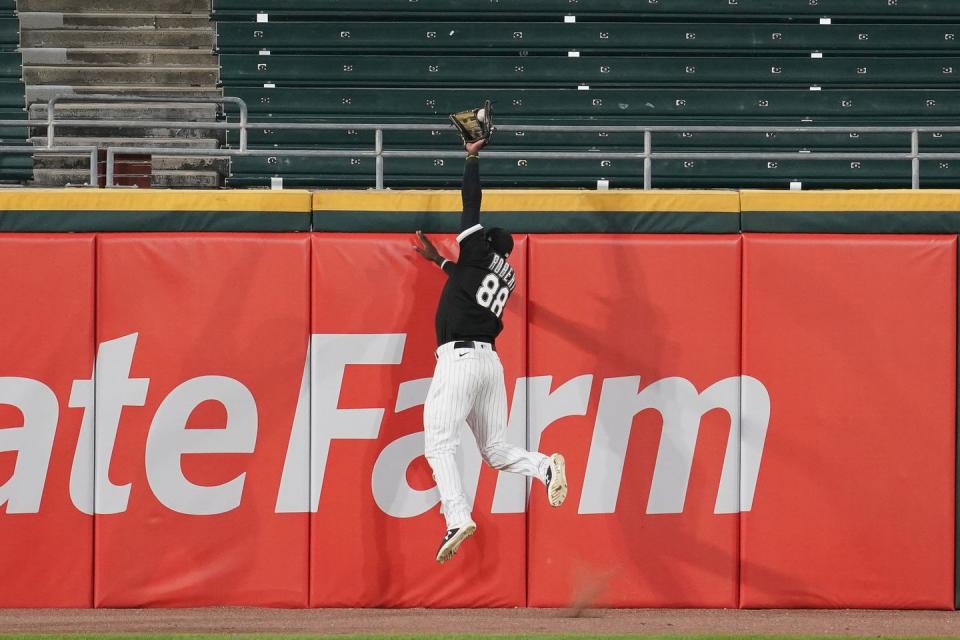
468	381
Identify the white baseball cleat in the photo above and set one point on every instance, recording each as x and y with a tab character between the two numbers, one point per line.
453	540
557	480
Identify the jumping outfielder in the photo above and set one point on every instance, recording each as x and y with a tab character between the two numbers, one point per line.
468	381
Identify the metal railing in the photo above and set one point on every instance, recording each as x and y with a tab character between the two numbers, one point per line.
648	155
91	150
52	102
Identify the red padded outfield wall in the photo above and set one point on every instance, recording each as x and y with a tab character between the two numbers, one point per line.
213	332
46	420
242	473
855	339
626	331
377	526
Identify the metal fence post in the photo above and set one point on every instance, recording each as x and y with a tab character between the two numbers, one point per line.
243	125
110	151
647	160
50	125
94	173
378	148
914	159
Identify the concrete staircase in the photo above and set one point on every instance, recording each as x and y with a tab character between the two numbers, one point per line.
150	48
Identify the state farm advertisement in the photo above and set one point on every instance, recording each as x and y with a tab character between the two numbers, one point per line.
377	524
643	393
236	419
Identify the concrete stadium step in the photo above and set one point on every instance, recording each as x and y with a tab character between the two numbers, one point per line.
161	49
187	112
138	22
42	93
103	142
108	57
81	162
147	133
126	38
115	6
128	111
185	179
171	179
191	76
72	161
59	177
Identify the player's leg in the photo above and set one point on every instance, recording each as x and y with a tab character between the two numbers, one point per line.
488	421
451	395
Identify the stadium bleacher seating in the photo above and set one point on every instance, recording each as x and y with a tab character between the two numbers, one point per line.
611	38
420	172
679	63
599	71
14	167
509	9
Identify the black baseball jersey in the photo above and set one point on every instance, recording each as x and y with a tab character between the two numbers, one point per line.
480	282
478	287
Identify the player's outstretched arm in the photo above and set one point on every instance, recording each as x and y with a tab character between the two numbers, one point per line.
471	191
425	248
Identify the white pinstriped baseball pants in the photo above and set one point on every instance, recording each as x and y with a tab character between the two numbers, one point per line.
468	385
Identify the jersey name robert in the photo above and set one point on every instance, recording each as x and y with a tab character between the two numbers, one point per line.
502	269
476	292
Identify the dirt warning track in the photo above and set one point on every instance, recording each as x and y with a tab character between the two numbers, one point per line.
502	621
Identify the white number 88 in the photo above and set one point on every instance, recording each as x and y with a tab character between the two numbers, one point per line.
491	295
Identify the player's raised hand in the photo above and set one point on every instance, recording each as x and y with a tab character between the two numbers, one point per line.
473	148
426	249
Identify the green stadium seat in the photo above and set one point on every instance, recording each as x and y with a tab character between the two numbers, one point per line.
584	173
819	174
16	167
454	71
586	37
441	137
878	9
608	105
7	134
9	34
11	94
10	64
433	171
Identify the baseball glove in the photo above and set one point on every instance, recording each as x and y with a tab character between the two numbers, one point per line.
474	124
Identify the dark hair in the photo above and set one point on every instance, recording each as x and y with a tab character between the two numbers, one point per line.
500	240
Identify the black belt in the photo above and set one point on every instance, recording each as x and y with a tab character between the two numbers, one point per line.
470	344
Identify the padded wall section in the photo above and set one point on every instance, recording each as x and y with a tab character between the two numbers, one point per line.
378	525
627	335
47	341
854	337
204	342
